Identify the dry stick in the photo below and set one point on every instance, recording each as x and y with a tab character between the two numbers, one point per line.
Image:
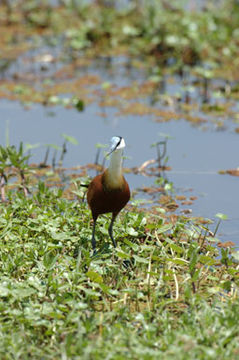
125	298
142	167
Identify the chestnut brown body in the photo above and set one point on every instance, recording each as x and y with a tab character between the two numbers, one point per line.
109	192
104	199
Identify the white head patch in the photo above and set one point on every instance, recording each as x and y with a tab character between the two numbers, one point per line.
117	142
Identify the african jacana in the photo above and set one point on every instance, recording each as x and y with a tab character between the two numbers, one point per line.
109	192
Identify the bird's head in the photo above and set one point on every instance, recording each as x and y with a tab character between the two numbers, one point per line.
117	143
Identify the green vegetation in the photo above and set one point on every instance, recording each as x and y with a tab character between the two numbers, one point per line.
167	291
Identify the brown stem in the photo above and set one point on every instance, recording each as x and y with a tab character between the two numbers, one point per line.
2	187
23	182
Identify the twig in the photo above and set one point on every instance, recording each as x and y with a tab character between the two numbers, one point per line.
145	164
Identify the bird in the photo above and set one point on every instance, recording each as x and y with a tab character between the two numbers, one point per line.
109	192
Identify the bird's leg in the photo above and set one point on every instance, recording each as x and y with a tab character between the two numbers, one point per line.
93	242
111	229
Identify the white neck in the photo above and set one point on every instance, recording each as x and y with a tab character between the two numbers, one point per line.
113	177
115	167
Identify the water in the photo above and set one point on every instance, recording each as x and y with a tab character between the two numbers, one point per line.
195	156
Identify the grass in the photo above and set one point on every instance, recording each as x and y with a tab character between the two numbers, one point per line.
165	292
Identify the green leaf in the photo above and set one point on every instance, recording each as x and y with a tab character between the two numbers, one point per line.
130	30
106	85
49	260
131	244
4	291
195	275
54	100
70	139
131	231
193	261
176	248
53	146
226	285
221	216
101	146
207	260
22	292
166	136
123	255
91	292
140	259
60	236
105	288
164	228
235	255
177	261
31	146
94	276
212	239
79	104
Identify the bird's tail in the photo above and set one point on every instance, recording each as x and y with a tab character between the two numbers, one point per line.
84	185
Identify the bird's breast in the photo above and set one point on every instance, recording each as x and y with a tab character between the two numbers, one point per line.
112	182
